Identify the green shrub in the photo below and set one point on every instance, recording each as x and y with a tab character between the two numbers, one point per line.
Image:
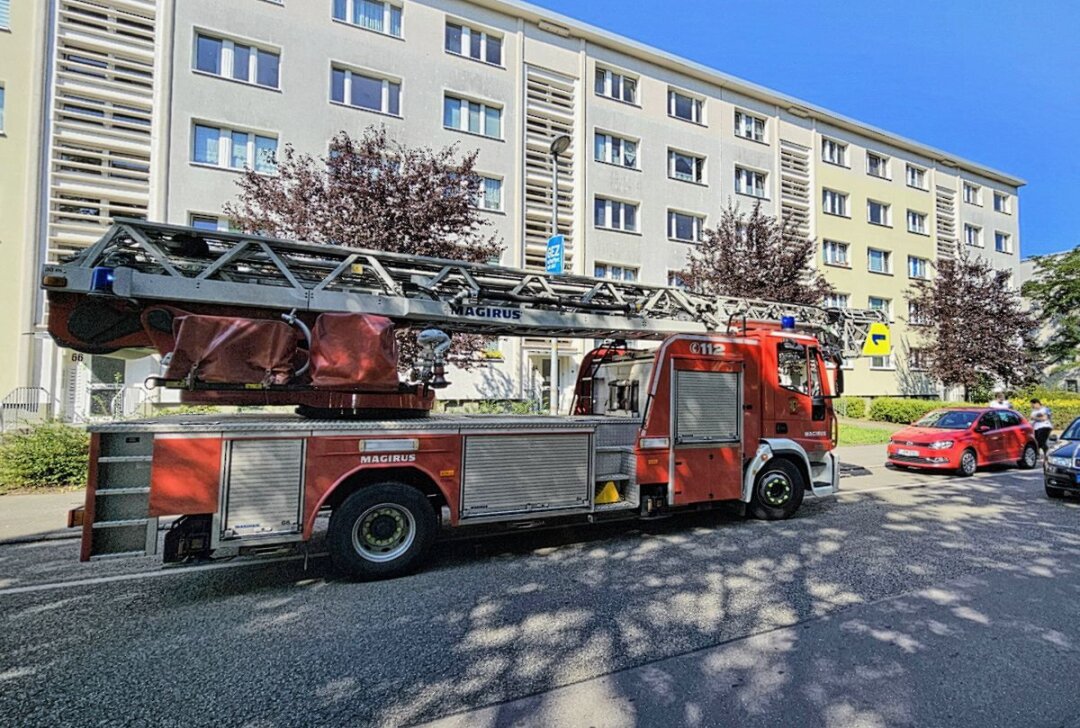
49	454
903	411
1062	411
853	407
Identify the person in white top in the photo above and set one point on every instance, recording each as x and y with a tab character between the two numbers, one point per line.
1000	402
1040	420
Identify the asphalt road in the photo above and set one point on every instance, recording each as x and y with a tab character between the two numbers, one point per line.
940	602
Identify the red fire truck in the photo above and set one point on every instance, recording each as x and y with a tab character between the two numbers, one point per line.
733	406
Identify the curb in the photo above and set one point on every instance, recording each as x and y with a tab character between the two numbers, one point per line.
64	535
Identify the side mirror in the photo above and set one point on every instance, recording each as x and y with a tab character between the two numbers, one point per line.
982	428
1053	438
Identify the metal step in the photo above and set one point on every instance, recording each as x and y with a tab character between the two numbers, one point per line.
125	458
617	477
620	506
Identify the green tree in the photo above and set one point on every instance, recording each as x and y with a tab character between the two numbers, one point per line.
1055	291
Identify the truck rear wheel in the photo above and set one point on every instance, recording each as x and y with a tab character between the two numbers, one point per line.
381	531
778	491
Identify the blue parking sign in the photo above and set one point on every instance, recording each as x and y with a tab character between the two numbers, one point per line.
556	252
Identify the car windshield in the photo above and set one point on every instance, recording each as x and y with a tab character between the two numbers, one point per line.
1072	432
948	420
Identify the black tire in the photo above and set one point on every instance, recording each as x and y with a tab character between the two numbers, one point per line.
1030	458
969	463
1052	492
778	491
381	531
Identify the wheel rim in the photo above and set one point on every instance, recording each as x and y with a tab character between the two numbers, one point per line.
1030	456
967	462
384	532
775	489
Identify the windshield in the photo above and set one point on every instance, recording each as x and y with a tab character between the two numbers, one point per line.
948	420
1072	432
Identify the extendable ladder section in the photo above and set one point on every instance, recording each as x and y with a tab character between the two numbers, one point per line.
150	262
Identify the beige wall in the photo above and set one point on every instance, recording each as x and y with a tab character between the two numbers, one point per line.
21	75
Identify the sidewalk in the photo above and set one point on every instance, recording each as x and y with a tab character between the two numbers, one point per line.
38	516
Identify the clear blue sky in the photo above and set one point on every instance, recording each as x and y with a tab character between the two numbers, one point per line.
993	81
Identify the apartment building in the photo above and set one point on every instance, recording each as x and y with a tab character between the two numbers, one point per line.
659	146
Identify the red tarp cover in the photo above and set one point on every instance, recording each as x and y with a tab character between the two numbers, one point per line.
229	350
354	351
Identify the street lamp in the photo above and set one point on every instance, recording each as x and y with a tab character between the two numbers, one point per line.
559	145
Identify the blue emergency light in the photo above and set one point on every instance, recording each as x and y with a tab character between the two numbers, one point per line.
101	279
787	323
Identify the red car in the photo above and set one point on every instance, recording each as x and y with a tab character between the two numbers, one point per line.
964	440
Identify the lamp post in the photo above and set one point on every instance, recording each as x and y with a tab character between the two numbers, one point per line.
558	145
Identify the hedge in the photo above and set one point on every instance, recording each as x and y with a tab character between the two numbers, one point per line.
904	411
1062	411
853	407
48	454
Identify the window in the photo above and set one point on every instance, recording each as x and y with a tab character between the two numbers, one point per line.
231	59
916	316
365	92
1072	385
918	360
748	126
878	213
685	107
616	150
918	267
230	149
684	227
881	304
877	165
380	17
615	272
675	279
749	182
836	253
916	177
973	235
472	116
490	195
212	223
1001	203
5	13
479	45
837	300
793	366
972	194
879	261
685	167
1003	242
834	152
834	203
881	362
616	86
2	103
615	215
916	222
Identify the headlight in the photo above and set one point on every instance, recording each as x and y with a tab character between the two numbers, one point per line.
941	445
1058	461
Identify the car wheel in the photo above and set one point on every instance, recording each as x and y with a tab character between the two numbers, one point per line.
1030	458
778	491
1052	492
381	531
968	464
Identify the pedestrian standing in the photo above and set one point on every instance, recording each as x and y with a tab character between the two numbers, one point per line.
1000	402
1040	420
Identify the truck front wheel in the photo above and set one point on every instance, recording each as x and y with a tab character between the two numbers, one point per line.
381	531
778	491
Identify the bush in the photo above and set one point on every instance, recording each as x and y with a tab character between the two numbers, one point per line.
49	454
904	411
853	407
1062	411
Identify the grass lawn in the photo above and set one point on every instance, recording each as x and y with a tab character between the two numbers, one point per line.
851	434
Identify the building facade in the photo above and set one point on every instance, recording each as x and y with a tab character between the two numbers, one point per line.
659	147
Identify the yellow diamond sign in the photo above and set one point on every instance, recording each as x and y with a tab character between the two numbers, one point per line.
878	341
